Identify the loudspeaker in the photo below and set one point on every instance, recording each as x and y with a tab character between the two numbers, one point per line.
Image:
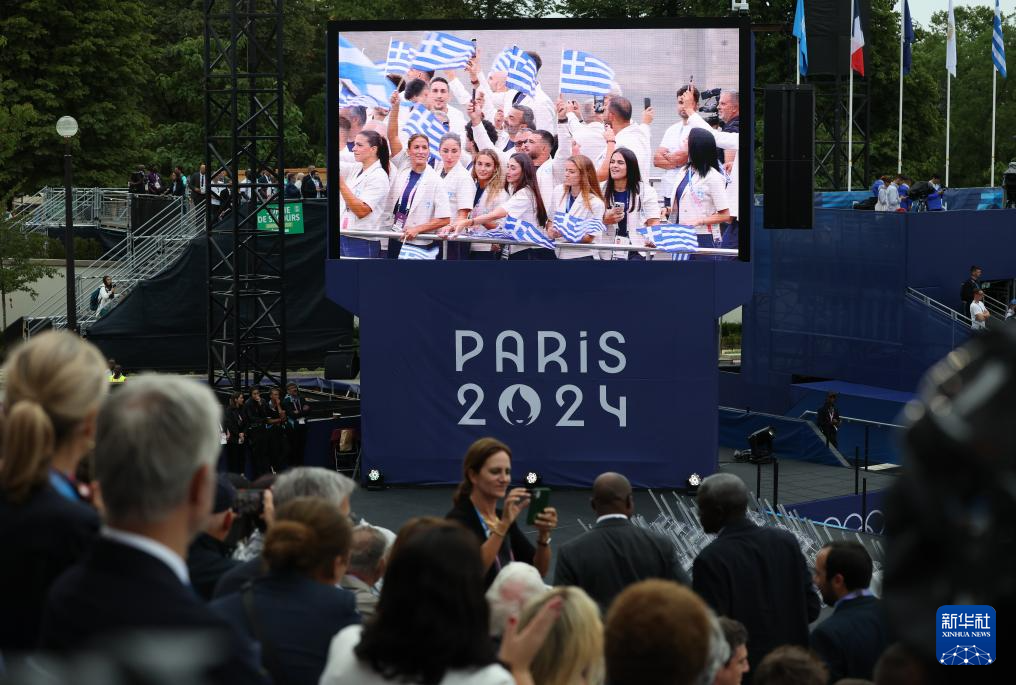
788	162
342	364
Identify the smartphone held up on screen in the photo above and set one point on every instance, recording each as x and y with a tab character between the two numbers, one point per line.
539	500
646	103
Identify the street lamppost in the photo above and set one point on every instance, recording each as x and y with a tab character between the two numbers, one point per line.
67	127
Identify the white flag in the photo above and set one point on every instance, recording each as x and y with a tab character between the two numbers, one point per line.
950	43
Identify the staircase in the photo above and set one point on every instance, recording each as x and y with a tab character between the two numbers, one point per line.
90	207
144	253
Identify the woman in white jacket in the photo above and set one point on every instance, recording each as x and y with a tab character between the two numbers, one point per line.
631	204
460	188
419	197
578	197
363	194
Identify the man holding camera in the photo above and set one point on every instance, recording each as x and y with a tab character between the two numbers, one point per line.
107	295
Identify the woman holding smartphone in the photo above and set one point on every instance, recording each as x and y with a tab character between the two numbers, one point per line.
631	203
486	477
578	197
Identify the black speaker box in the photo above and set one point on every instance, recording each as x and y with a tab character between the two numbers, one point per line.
788	161
342	364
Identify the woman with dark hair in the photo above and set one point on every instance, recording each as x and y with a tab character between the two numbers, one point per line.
486	476
578	197
459	186
701	197
631	204
295	610
418	197
362	197
524	203
432	621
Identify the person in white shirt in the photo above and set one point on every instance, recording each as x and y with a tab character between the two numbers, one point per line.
437	101
524	202
673	151
635	137
979	313
107	296
347	163
460	188
364	196
489	194
518	124
419	198
579	197
701	196
631	204
549	169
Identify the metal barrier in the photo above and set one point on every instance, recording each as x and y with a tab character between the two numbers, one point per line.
480	238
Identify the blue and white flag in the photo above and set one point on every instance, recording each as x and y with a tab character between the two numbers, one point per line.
442	51
997	44
575	229
422	120
520	67
362	76
673	237
802	38
583	73
408	251
400	57
523	231
347	98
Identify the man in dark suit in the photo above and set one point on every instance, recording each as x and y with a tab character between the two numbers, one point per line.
615	553
754	575
198	184
969	286
829	419
208	557
155	457
854	637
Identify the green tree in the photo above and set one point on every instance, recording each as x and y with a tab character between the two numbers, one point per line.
87	60
18	271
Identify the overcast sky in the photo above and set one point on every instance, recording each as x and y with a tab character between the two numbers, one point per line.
921	10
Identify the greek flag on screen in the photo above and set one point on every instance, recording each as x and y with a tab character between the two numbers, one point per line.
415	252
674	238
347	98
442	51
422	120
523	231
362	76
997	44
520	67
400	57
575	229
583	73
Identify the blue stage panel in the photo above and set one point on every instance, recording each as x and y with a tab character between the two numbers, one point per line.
579	367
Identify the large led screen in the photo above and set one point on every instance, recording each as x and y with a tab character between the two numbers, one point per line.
551	140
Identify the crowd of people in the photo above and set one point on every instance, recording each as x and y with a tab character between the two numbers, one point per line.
504	153
279	581
899	193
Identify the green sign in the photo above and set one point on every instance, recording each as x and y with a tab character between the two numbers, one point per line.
293	218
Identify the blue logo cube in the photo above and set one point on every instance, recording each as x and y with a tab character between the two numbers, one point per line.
966	635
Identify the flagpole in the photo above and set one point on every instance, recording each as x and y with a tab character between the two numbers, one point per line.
948	116
994	79
798	61
850	132
899	142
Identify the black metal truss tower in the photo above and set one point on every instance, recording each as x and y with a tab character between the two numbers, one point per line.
832	104
243	99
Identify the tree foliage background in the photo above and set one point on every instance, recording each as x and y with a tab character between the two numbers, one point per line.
130	72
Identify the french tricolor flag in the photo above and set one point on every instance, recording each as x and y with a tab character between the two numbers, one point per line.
857	42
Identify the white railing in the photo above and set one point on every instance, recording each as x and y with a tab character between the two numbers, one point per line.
938	307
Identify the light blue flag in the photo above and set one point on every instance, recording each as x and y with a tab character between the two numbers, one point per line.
676	238
583	73
574	229
997	44
442	51
422	120
362	76
802	38
347	98
522	231
400	57
520	67
408	251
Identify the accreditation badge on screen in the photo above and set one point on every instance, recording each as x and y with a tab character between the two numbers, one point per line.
966	635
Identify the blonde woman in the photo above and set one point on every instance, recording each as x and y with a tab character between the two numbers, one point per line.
489	193
55	384
572	654
578	197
